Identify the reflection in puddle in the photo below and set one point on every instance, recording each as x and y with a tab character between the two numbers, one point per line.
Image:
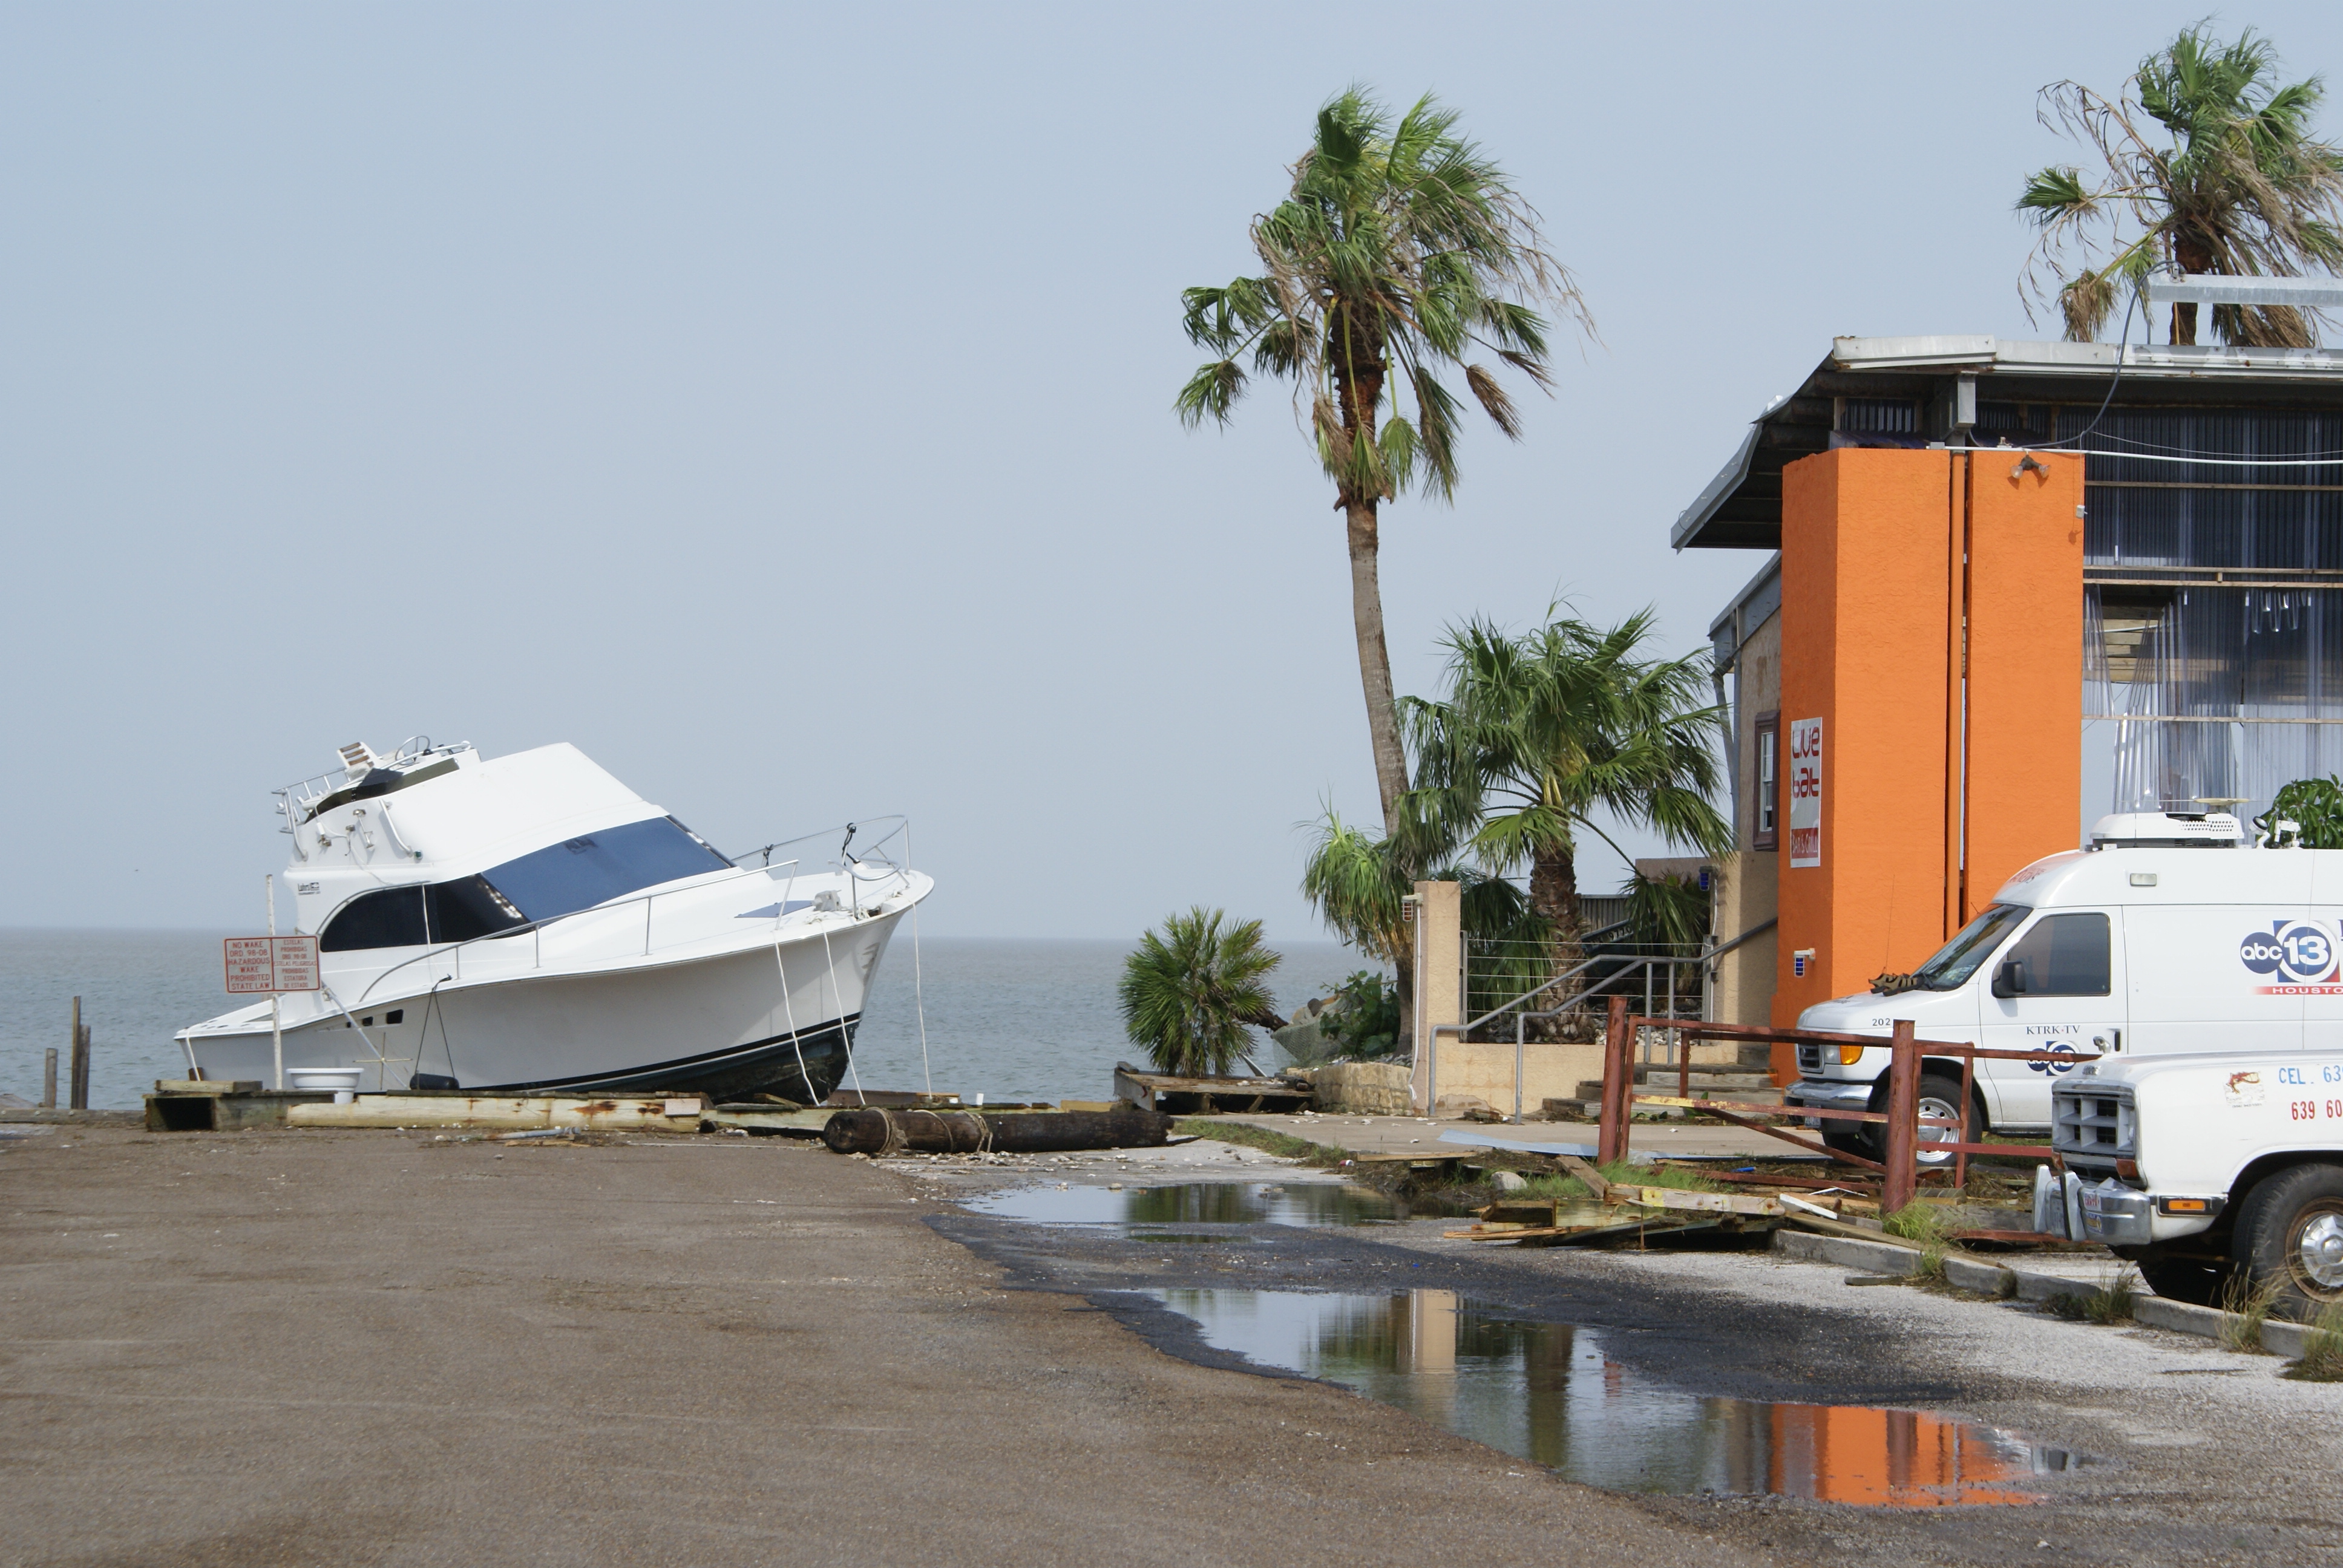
1546	1392
1195	1203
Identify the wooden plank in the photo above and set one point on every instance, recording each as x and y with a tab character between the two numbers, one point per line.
1595	1181
1680	1198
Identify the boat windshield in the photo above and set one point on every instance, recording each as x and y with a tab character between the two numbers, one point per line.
610	863
1960	958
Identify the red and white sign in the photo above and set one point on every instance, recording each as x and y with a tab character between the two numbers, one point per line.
1805	786
261	966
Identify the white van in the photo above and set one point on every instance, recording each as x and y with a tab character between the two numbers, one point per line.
2203	1168
2167	935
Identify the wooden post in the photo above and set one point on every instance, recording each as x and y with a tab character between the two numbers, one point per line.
1618	1085
49	1079
77	1073
1901	1179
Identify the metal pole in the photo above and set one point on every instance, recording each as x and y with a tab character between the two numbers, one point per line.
275	1018
1517	1065
1899	1182
1612	1141
1968	1091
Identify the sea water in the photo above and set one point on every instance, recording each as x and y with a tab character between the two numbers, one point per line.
1017	1021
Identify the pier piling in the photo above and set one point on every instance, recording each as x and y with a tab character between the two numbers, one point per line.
77	1087
49	1079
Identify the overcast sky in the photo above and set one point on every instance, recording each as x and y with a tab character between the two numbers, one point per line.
776	403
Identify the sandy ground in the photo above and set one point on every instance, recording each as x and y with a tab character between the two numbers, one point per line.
371	1348
379	1347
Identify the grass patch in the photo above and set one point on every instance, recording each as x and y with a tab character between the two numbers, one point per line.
1284	1145
2322	1359
1926	1224
2112	1302
2247	1307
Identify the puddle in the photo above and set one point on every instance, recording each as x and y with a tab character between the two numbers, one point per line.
1310	1203
1547	1393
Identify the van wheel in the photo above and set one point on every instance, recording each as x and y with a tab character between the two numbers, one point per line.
2192	1280
1939	1096
2290	1238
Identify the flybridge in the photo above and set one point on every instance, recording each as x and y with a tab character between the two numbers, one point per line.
364	775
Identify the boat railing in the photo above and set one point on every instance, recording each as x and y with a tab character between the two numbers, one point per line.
857	868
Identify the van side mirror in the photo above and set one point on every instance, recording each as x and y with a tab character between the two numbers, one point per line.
2009	979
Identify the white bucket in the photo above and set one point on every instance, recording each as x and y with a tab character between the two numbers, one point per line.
342	1080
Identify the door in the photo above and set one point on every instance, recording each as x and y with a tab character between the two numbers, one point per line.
2059	987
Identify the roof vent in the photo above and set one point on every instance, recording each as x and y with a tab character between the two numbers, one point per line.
2166	831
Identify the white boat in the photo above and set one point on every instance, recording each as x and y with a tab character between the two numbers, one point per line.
528	924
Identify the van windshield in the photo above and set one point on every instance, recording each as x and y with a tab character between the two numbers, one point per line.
1961	958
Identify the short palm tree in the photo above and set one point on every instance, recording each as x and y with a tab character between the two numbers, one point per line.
2237	185
1540	734
1190	994
1357	882
1399	251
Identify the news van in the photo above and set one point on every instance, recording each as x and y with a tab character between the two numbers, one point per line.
2169	935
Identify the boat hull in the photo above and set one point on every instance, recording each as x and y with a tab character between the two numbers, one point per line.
778	1017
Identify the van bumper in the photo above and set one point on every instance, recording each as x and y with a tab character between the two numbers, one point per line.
2116	1215
1838	1093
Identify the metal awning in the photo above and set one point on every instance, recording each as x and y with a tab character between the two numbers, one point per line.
1741	507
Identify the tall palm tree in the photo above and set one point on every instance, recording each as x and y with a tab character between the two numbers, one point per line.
2237	186
1540	734
1189	995
1401	250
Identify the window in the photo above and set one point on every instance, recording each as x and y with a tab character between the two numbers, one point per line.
581	872
1764	832
386	918
1958	959
2063	955
459	910
574	874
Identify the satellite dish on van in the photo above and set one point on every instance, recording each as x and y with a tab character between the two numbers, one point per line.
2166	831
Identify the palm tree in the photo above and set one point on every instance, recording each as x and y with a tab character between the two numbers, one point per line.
1189	995
2239	188
1541	733
1399	250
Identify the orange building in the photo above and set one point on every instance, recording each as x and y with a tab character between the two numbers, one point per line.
2010	592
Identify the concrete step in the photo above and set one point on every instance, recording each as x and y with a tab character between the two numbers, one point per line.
1706	1077
1705	1086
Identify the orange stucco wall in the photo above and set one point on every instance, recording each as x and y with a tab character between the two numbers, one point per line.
1867	583
1883	552
2026	684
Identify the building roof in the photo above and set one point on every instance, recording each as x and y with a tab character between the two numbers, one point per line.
1942	379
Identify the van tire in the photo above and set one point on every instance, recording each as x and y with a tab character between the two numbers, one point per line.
2289	1239
1851	1142
2198	1281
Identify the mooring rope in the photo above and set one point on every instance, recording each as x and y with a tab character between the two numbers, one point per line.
830	970
791	1013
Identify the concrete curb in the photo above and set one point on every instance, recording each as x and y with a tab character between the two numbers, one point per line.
1993	1280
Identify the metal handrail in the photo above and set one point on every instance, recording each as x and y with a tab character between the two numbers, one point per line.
1520	1022
1624	961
